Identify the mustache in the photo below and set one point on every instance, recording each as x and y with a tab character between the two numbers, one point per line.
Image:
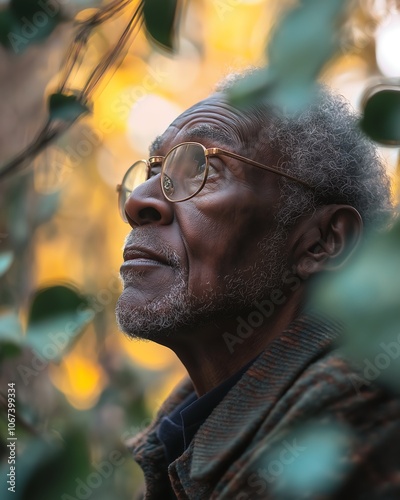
147	237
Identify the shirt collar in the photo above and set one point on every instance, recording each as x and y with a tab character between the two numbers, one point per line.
177	429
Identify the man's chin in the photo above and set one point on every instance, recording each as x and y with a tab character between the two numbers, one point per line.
155	320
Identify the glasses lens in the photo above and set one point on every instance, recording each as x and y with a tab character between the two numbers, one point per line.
136	175
184	171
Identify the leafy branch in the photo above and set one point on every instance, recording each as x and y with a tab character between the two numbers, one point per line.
66	107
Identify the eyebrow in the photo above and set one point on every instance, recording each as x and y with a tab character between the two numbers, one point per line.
203	131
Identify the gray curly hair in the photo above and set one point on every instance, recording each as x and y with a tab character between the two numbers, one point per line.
323	146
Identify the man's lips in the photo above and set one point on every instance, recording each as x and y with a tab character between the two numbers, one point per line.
137	255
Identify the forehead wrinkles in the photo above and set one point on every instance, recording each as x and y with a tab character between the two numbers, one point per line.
211	119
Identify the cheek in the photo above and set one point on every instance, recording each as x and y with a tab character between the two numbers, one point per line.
221	238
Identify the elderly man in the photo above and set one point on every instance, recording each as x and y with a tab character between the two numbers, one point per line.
232	216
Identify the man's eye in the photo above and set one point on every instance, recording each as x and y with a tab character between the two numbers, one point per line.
201	167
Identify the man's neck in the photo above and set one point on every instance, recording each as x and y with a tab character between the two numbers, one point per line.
217	352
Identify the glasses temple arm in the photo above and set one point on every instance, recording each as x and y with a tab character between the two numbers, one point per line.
218	151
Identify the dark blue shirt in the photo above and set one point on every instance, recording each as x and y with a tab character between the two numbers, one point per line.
177	429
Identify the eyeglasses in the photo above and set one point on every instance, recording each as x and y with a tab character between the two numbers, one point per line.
184	170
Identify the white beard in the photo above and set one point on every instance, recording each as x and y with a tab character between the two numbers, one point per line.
178	310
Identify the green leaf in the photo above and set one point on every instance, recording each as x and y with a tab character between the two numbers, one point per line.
305	39
27	22
58	315
365	296
8	25
49	470
160	21
46	207
11	338
37	12
18	206
66	107
6	259
303	42
381	119
313	460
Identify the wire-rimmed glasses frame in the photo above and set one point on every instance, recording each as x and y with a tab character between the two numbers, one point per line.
160	161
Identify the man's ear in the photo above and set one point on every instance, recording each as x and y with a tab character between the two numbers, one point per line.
326	240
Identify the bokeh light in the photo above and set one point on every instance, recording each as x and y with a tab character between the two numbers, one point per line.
149	117
387	46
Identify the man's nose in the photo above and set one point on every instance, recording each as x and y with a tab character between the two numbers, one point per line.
147	205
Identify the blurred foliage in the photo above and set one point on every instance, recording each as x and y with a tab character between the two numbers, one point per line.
45	459
10	335
65	450
6	259
365	296
381	119
25	22
306	38
315	451
57	309
162	32
65	107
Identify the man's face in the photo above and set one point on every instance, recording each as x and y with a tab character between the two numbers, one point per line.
206	259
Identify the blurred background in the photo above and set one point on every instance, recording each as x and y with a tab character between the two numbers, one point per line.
59	222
